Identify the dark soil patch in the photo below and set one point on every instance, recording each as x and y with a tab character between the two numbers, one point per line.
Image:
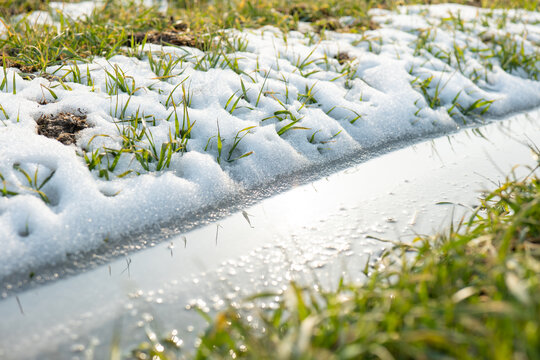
10	63
333	24
477	3
307	13
323	18
179	36
343	57
62	127
328	23
51	77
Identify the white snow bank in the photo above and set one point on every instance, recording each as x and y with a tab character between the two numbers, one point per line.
173	129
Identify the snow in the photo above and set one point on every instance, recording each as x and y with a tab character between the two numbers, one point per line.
75	10
36	18
276	105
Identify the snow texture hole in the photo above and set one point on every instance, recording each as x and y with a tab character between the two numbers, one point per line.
24	231
52	195
110	192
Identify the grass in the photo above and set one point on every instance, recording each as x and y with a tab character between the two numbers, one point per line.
114	25
470	293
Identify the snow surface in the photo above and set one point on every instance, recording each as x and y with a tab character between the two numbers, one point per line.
75	10
247	98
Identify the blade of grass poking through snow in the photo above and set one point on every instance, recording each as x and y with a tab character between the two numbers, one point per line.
121	81
262	88
454	103
186	135
331	139
236	141
233	107
357	116
177	131
219	143
480	106
6	116
306	62
291	126
170	97
63	85
244	91
33	183
233	65
89	81
53	94
4	70
312	138
4	191
186	121
307	98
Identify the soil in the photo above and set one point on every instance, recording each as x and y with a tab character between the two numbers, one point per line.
307	13
322	19
343	57
179	36
14	64
62	126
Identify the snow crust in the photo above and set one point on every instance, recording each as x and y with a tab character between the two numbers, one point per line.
279	103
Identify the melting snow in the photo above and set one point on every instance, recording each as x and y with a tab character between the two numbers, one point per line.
171	129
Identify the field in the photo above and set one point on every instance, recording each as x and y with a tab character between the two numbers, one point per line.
119	116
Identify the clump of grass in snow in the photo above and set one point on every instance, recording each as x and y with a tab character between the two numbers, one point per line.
513	57
469	293
139	144
29	180
511	53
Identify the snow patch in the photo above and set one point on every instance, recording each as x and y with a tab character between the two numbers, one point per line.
177	128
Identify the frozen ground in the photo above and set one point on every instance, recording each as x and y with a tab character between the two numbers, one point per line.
172	129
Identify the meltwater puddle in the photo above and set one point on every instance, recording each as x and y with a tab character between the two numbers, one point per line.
320	230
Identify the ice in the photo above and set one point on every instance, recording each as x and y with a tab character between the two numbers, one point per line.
167	141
